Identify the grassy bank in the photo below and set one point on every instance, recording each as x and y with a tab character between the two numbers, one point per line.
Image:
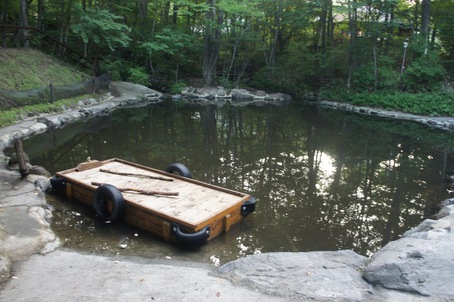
26	69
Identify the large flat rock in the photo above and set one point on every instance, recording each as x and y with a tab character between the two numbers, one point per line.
421	262
317	276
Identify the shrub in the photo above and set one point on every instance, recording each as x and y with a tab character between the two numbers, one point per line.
138	75
424	74
177	87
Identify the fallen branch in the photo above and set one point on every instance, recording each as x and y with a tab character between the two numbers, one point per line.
140	191
136	175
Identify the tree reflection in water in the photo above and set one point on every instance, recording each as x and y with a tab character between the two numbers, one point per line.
324	180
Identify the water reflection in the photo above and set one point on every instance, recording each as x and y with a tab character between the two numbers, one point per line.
324	180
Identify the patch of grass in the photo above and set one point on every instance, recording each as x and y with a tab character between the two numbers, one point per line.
9	117
25	69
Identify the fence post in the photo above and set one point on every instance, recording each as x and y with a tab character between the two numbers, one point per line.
51	88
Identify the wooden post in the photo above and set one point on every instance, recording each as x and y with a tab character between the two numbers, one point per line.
24	171
51	90
227	222
166	230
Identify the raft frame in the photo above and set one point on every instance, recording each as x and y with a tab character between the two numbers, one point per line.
200	212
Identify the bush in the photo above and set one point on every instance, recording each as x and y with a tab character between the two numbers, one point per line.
138	75
177	87
118	68
431	104
387	77
424	74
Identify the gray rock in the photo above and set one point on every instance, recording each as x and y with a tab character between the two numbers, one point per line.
38	170
242	94
421	262
5	265
239	97
318	276
260	94
220	92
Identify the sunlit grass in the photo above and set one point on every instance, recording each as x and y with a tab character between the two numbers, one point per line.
11	116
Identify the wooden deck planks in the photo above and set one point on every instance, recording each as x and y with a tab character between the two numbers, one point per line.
194	204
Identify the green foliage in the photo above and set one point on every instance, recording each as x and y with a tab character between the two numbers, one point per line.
23	69
433	104
101	28
11	116
424	74
285	45
138	75
176	44
117	67
177	87
387	77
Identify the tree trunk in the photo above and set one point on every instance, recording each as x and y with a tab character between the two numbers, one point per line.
214	19
41	10
143	10
415	15
3	19
425	18
274	42
330	24
175	14
23	21
352	27
375	65
323	27
142	20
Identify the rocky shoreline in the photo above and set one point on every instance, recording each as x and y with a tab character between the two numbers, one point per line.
417	267
444	123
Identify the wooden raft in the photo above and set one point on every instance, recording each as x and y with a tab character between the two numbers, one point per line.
191	204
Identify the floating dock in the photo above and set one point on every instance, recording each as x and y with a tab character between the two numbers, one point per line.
169	205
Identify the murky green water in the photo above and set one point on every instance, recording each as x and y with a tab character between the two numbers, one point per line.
323	180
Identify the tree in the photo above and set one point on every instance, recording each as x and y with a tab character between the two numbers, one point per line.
352	26
239	41
443	14
100	31
425	17
23	22
176	44
212	39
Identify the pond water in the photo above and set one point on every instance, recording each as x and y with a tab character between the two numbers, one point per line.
323	179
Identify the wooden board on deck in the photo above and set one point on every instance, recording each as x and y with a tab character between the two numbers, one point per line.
196	202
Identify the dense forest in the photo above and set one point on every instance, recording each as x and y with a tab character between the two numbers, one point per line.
294	46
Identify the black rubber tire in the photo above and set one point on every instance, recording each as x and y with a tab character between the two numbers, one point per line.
194	240
105	194
180	169
248	207
58	183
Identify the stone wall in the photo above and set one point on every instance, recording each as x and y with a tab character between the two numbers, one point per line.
445	123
